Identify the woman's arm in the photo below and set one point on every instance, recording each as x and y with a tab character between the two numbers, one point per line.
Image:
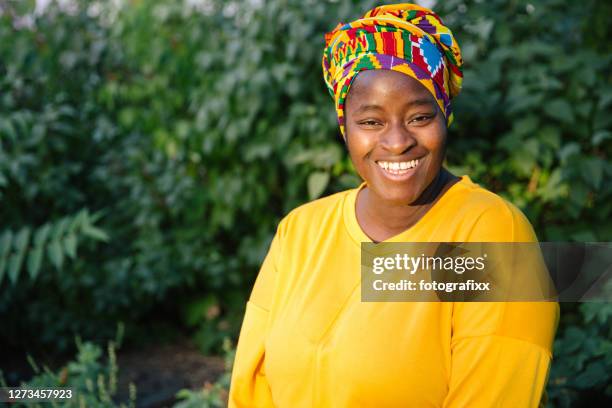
249	385
501	351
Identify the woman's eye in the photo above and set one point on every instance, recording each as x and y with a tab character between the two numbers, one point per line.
369	122
421	119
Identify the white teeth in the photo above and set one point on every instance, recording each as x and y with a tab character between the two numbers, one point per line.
398	167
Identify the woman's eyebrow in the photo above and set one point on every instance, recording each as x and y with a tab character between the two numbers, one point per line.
415	102
419	102
367	107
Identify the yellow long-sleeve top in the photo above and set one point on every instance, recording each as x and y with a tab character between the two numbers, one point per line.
308	341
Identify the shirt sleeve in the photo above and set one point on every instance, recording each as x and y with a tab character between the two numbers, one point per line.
249	386
501	351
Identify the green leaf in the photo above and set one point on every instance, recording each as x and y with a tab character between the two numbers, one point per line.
601	136
34	261
525	157
568	151
584	236
550	137
59	228
54	250
526	126
594	374
41	235
560	109
327	157
553	188
300	157
82	218
70	245
7	128
316	184
2	269
21	240
592	171
93	218
95	233
578	194
5	243
15	262
24	7
574	338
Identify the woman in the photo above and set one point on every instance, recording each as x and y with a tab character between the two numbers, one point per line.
307	340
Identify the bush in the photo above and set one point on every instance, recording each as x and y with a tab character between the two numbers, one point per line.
176	142
93	382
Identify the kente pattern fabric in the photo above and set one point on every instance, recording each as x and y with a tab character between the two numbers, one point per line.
401	37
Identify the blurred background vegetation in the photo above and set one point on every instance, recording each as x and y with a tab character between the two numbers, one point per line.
148	149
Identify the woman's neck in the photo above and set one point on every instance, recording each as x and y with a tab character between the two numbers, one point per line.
381	220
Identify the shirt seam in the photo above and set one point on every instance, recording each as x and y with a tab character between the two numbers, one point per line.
543	349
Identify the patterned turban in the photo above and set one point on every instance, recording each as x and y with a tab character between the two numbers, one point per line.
401	37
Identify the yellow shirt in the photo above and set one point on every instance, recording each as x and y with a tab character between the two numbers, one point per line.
308	341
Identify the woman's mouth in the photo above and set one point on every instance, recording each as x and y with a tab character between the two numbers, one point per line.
398	170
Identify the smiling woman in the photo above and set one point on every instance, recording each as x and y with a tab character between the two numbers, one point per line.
307	339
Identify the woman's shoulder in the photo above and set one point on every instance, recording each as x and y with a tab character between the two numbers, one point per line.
490	216
470	196
477	196
316	213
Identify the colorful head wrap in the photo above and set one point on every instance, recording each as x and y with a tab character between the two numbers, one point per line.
399	37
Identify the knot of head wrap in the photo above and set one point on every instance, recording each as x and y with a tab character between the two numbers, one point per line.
401	37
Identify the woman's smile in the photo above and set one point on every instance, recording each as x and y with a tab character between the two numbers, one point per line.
398	170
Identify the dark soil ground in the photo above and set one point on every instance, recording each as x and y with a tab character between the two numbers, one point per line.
160	371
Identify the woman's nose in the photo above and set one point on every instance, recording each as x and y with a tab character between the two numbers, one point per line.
397	139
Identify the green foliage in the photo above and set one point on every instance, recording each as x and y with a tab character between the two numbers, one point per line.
210	324
92	381
178	125
583	357
57	240
193	129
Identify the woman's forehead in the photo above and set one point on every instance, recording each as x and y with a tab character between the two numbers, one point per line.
372	85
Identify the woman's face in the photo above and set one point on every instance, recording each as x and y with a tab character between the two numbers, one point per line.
395	134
